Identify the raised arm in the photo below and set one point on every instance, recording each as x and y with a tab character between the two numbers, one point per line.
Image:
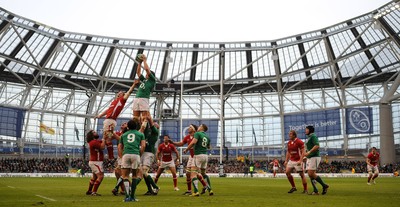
139	70
103	144
102	114
145	65
142	146
129	92
190	146
120	149
179	144
144	125
116	136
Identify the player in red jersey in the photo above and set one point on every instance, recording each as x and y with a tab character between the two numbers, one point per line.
117	170
96	148
372	165
165	159
275	166
294	160
187	140
112	114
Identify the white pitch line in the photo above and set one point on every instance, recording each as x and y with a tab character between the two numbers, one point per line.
11	186
50	199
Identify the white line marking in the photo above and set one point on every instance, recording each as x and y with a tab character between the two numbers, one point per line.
11	186
50	199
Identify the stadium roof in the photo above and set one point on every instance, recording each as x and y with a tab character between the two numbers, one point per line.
361	50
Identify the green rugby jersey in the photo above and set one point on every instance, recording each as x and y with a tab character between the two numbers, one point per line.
203	143
131	141
151	136
146	87
312	140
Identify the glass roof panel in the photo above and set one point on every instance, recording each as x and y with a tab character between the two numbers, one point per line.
208	70
11	39
343	43
393	19
123	63
94	58
317	53
155	60
264	67
289	59
19	68
64	56
181	61
38	46
235	62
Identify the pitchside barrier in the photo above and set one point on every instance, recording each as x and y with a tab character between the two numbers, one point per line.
229	175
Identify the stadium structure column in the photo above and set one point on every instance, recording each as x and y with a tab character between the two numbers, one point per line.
222	114
387	150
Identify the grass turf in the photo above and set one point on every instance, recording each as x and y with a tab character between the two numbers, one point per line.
228	192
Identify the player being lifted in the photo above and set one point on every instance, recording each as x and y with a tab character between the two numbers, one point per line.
190	163
142	99
112	114
200	142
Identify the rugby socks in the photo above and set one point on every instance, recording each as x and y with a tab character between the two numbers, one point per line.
96	186
201	179
127	188
133	187
291	181
318	179
208	180
375	176
138	180
195	182
146	180
175	179
189	184
110	150
305	186
119	181
156	179
151	181
313	182
91	183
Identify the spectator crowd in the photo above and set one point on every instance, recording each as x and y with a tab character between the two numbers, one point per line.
61	165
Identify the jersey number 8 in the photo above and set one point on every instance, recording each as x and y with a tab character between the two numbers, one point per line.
204	142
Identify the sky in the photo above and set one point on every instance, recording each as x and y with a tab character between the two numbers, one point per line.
191	21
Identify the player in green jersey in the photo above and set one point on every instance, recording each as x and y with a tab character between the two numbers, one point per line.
141	101
130	147
313	160
151	133
201	143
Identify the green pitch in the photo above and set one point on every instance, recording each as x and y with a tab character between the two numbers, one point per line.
228	192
